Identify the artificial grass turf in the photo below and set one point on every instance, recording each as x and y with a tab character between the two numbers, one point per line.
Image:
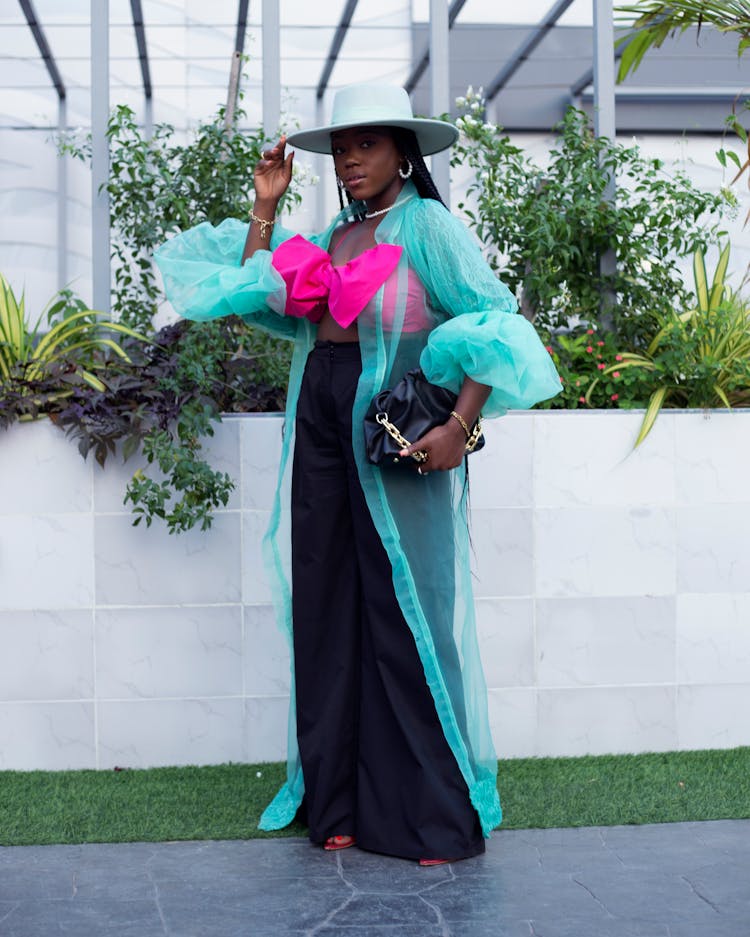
225	801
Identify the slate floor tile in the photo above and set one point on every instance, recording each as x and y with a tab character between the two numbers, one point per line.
83	919
670	880
586	928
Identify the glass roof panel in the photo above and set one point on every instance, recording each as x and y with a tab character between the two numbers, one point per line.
580	13
305	13
122	42
527	13
190	42
16	40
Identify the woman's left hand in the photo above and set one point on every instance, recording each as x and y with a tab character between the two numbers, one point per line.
445	447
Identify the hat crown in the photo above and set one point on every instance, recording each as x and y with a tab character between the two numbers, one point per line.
358	104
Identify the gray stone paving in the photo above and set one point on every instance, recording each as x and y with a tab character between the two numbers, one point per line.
669	880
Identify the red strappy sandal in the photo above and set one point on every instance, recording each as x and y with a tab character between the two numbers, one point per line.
338	842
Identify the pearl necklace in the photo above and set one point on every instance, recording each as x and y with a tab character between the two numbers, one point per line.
374	214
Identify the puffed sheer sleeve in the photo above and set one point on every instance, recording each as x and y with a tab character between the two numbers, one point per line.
204	277
484	338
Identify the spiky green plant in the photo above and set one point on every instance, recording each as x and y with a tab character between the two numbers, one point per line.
656	20
28	353
700	357
653	21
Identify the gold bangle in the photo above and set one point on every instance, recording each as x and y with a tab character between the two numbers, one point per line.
264	223
463	423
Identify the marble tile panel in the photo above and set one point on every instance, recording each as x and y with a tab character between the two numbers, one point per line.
266	656
256	589
222	451
713	716
148	566
261	439
712	451
588	458
154	733
502	551
505	629
712	548
47	736
606	720
500	474
46	561
192	651
713	638
47	655
597	641
111	481
41	471
266	728
223	454
513	722
605	551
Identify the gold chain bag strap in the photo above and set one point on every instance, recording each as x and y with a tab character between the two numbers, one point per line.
405	413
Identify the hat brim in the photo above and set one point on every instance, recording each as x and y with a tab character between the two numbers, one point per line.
432	135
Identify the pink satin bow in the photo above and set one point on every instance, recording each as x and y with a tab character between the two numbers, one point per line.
312	282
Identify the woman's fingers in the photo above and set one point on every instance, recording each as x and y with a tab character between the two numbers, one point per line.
276	152
443	450
274	164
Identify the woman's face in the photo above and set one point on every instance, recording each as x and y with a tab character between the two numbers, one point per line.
367	160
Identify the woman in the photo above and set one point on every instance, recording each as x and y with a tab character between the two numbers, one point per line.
389	741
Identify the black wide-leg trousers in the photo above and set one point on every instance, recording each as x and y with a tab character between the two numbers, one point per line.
375	761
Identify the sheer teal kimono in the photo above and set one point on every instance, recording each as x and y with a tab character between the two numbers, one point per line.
476	331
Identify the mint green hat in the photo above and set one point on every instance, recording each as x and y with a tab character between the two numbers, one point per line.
375	105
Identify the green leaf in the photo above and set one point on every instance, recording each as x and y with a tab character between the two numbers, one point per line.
652	411
717	287
722	396
734	157
701	281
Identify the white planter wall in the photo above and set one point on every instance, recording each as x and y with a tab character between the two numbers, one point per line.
613	597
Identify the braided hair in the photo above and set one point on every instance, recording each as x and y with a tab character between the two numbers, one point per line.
407	145
406	142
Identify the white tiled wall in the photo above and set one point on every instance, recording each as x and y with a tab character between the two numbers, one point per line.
613	597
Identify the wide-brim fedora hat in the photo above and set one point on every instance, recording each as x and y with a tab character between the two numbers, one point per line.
376	105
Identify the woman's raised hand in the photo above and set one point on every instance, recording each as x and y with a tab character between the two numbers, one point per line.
273	173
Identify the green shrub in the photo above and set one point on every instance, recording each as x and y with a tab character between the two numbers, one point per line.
546	228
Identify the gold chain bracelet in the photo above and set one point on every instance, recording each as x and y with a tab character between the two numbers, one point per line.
463	423
263	223
472	435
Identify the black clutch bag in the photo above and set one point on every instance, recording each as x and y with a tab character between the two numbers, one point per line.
398	417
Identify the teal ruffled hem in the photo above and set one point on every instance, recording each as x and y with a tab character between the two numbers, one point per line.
486	801
500	349
282	809
204	278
